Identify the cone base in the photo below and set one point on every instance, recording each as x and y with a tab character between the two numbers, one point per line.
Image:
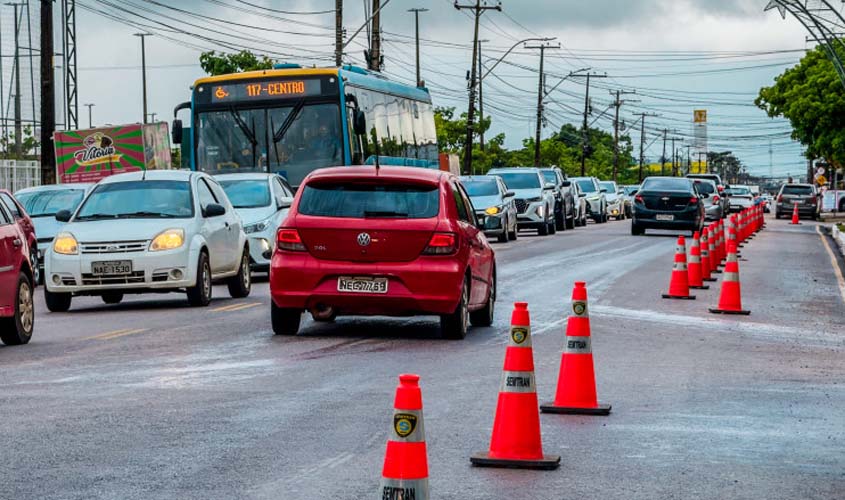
709	279
794	223
701	287
716	310
573	410
548	462
680	297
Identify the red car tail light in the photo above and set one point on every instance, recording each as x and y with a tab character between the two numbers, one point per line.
716	198
441	244
288	239
693	200
720	188
780	198
639	199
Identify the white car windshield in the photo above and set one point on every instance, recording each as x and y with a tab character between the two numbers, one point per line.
138	199
520	180
253	193
47	203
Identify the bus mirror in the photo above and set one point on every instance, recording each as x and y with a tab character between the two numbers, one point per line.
360	123
176	132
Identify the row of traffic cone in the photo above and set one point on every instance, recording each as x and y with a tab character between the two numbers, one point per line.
516	440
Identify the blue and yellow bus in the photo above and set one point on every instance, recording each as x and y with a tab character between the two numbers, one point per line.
292	120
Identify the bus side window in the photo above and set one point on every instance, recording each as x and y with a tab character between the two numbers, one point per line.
355	147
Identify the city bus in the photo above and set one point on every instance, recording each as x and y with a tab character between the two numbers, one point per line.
292	120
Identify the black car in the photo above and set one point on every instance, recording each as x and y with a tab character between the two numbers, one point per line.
564	199
804	195
667	203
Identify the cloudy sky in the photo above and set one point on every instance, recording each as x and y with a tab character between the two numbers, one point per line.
678	55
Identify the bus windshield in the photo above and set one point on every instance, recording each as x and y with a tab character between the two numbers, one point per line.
290	140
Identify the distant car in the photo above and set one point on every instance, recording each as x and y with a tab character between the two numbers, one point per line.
17	312
740	197
18	212
42	203
595	196
630	191
805	195
615	199
667	203
710	197
580	204
393	241
564	200
148	232
534	197
724	199
495	209
767	202
262	201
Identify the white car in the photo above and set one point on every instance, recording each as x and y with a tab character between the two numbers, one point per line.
262	201
740	197
147	232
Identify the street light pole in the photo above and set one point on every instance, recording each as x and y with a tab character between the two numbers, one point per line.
89	114
416	12
540	95
143	71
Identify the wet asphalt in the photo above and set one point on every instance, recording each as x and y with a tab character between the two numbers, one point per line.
151	399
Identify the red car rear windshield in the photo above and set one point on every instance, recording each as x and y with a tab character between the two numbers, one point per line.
406	201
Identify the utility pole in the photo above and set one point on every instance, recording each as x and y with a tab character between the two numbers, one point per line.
48	95
477	9
642	141
617	103
663	156
585	134
539	128
374	62
338	33
480	98
144	71
416	12
90	122
675	155
153	117
17	64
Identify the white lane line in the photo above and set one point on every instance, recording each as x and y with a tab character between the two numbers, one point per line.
836	271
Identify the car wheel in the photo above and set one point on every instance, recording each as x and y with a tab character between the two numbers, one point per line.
503	238
544	229
241	283
112	297
484	316
17	330
636	230
777	215
454	326
570	222
199	295
560	221
36	272
57	302
552	226
285	320
515	233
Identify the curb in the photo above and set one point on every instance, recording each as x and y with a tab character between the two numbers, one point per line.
839	237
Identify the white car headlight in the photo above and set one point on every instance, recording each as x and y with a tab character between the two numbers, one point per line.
256	228
169	239
65	244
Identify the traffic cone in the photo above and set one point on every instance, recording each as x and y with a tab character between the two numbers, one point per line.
576	383
730	299
706	256
679	284
795	220
718	247
405	471
516	438
695	273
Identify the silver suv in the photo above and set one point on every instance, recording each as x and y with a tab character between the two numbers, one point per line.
595	196
724	199
534	197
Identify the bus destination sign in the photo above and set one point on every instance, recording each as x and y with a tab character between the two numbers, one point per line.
264	90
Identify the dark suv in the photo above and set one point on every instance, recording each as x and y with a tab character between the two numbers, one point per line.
564	200
804	195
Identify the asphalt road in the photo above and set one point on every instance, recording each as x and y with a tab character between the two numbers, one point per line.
151	399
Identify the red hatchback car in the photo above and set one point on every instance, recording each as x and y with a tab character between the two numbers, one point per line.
392	241
17	314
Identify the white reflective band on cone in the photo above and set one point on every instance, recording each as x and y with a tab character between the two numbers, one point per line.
730	277
521	382
519	336
732	257
407	426
679	266
681	249
694	259
578	345
404	489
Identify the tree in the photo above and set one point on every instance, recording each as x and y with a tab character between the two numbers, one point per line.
221	64
28	145
811	97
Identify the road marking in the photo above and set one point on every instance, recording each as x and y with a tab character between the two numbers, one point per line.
117	333
236	307
840	280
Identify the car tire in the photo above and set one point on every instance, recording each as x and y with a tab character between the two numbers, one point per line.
112	297
285	320
484	316
570	222
37	279
504	237
636	230
57	302
199	295
560	221
17	330
241	283
777	215
544	229
552	226
454	326
515	233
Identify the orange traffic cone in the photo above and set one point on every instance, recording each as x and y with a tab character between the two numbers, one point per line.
516	428
679	285
795	220
705	255
716	248
405	471
576	383
694	268
730	299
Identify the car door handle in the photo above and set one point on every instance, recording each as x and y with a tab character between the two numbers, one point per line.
17	242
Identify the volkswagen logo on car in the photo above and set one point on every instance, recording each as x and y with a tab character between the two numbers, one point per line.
364	239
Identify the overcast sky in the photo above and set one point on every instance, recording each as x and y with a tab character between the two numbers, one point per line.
678	55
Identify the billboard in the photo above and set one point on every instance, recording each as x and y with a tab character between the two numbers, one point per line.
91	154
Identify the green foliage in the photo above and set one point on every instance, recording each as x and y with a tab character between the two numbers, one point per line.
222	64
28	145
811	97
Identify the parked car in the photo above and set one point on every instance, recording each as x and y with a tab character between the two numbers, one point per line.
580	204
630	190
667	203
740	197
148	232
17	312
564	200
724	199
595	196
615	199
805	195
534	198
262	201
495	209
710	197
382	241
42	203
18	212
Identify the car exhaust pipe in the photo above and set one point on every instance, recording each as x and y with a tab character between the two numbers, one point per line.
322	312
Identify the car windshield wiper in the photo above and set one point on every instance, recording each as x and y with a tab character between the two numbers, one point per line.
141	215
383	213
289	119
248	132
96	216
